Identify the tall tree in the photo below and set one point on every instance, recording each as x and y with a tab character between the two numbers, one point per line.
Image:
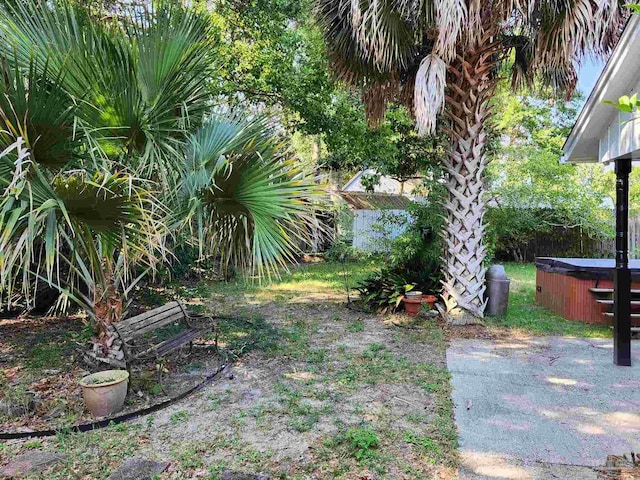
533	195
446	55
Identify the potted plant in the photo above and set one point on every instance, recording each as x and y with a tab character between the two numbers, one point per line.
412	305
104	392
429	299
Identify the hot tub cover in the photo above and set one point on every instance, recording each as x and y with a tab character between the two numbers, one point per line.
584	267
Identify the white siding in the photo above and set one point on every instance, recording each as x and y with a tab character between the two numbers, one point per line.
627	142
622	135
614	137
634	126
604	149
371	234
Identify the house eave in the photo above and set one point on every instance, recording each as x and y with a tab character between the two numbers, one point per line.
610	86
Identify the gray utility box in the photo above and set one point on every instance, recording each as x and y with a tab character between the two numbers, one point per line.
497	291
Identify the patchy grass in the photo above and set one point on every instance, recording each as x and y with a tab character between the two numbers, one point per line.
316	391
302	279
527	316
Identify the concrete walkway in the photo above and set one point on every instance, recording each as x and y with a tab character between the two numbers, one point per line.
541	408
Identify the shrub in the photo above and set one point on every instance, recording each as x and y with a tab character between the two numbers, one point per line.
341	251
383	292
522	234
414	259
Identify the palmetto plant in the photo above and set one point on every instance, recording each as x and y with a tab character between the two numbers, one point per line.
110	148
79	232
139	82
61	224
243	197
446	55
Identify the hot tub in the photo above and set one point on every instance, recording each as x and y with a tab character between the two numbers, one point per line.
563	285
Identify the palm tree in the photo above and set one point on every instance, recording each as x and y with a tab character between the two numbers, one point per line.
240	184
139	82
447	56
81	231
110	151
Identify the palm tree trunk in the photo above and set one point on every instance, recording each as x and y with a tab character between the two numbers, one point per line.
471	87
107	307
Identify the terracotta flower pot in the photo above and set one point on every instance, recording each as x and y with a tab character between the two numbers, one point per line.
430	299
412	305
104	392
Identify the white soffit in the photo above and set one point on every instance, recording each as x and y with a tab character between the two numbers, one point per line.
620	76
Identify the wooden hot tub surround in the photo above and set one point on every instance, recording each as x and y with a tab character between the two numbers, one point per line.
582	289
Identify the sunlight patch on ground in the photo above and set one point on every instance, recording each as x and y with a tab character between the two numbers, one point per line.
561	381
494	466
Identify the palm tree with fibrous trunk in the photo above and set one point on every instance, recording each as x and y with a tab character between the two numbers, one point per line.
111	152
447	56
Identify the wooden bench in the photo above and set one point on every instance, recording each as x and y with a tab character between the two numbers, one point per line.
156	333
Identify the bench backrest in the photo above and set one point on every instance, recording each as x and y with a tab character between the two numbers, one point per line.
152	320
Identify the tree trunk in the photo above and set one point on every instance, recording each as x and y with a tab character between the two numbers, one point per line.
471	86
107	308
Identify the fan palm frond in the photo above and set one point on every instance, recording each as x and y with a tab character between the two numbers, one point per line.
139	83
376	43
65	230
368	39
244	198
34	107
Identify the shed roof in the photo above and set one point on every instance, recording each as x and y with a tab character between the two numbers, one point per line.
374	201
386	185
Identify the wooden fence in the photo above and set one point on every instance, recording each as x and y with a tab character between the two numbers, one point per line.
572	243
372	233
562	242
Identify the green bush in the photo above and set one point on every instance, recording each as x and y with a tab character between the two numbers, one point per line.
342	251
414	259
383	292
186	264
522	234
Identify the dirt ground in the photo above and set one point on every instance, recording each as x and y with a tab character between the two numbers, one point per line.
313	390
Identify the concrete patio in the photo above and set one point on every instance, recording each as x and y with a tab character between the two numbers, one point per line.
545	407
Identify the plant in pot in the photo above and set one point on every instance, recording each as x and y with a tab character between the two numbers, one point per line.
104	392
429	299
385	291
412	302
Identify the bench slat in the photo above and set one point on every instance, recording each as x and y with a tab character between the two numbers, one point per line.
126	328
165	309
150	327
173	343
154	318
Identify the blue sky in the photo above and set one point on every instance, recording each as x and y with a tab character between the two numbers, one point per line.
588	76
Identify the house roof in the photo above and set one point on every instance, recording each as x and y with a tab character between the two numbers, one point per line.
618	76
374	201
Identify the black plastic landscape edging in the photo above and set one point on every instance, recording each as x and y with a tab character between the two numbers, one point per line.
86	427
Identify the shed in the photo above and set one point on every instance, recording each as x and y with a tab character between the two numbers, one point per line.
374	218
606	135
